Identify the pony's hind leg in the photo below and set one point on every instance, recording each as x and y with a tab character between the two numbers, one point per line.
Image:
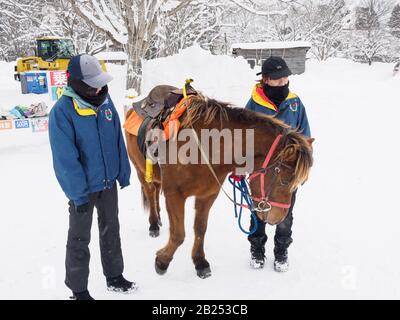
150	197
158	191
202	207
176	213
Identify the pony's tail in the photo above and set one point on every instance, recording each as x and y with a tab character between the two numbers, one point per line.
145	202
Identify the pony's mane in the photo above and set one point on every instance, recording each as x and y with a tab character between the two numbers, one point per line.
299	144
207	110
201	107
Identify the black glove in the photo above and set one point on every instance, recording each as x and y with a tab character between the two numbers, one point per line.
83	208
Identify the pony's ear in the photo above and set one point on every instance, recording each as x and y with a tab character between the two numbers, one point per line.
290	152
310	141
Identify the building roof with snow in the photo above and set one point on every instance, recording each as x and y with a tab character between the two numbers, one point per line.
271	45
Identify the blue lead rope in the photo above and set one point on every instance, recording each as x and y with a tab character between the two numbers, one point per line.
243	187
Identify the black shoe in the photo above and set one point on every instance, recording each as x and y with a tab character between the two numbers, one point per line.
281	263
257	250
120	284
84	295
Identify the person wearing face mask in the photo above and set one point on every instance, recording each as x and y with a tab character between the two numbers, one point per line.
89	158
272	96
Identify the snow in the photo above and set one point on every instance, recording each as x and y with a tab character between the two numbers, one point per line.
345	220
201	66
170	5
271	45
111	55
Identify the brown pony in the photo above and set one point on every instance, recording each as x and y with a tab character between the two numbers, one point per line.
289	167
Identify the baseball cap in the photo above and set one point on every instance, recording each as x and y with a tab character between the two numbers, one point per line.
88	69
275	68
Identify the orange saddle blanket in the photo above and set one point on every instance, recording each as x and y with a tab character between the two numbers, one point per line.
171	125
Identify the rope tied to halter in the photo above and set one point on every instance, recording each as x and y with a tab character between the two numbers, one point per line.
240	184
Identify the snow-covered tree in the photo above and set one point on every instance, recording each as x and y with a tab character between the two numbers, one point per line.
18	26
323	26
198	22
370	45
289	27
264	7
254	21
367	17
131	24
62	19
394	22
241	25
370	40
24	20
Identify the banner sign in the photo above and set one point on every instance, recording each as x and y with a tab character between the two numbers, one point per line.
5	125
40	124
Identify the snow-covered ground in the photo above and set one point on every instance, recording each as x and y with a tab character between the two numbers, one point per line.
346	219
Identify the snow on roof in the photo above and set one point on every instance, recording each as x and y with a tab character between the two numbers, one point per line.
271	45
111	55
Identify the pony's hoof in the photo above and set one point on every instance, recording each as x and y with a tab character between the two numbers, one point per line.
204	273
154	230
154	233
160	268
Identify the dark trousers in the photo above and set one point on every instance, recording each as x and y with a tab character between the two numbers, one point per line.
78	255
283	232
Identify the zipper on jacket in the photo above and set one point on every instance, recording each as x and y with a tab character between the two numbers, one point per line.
102	150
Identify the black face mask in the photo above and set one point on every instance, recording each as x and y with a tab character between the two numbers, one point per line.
276	94
88	93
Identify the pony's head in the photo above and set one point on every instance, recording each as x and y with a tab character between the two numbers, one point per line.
272	187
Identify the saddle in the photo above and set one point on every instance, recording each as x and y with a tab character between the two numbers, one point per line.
159	100
154	110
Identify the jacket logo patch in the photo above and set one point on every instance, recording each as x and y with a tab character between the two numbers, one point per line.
108	114
293	106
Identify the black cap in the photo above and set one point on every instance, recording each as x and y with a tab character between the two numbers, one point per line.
275	68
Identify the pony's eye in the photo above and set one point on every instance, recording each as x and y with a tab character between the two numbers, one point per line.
284	183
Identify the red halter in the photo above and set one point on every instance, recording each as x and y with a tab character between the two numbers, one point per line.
264	201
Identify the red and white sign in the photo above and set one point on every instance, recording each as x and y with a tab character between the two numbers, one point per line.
58	78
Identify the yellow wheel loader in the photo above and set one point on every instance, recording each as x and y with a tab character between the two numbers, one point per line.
50	54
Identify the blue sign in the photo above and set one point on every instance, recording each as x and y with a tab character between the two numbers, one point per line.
21	124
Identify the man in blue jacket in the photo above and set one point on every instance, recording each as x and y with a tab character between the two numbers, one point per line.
272	96
89	156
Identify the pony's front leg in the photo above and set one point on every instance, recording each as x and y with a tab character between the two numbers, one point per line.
202	206
175	203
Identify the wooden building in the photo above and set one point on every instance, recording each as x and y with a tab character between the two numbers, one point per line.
294	53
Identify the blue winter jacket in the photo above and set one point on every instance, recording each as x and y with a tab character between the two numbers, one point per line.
291	111
88	148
